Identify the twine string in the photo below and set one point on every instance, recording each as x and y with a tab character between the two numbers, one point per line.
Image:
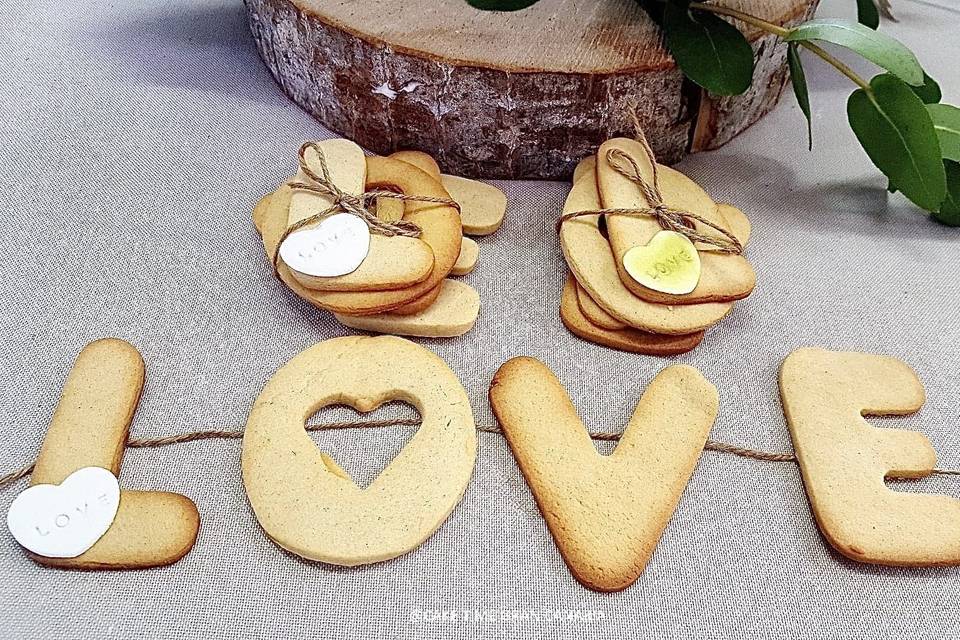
235	434
669	218
357	205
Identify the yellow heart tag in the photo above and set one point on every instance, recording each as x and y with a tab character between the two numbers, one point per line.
669	263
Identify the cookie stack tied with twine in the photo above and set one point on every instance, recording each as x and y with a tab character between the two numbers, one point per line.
655	261
374	239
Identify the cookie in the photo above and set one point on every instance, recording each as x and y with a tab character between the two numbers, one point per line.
348	170
482	206
306	503
844	459
441	231
453	313
623	339
260	212
589	256
605	513
737	222
724	277
89	429
420	304
594	312
469	252
392	209
391	263
419	159
586	167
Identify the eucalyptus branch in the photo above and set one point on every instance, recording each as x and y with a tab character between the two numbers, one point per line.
837	64
759	23
782	32
897	116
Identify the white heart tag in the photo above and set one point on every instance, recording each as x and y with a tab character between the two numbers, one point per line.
335	247
63	521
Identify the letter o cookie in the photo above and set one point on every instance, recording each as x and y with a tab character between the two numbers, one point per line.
306	503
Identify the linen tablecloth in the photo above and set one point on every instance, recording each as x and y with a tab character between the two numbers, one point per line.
136	138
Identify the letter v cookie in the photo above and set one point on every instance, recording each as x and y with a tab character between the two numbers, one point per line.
89	429
606	513
844	459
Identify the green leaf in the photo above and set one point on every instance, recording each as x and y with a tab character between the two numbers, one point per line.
949	213
799	80
896	130
929	91
868	14
946	122
710	51
877	47
501	5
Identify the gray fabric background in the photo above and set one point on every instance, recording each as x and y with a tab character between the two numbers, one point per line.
136	138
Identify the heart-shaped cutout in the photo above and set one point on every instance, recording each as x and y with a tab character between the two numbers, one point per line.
669	263
63	521
380	445
334	247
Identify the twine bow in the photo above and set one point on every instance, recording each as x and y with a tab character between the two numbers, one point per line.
357	205
668	217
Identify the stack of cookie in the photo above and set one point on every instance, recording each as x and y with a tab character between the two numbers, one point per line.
646	278
384	270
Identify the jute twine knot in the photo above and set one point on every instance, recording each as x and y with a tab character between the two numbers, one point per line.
667	217
343	202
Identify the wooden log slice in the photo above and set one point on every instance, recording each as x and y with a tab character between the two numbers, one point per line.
522	94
